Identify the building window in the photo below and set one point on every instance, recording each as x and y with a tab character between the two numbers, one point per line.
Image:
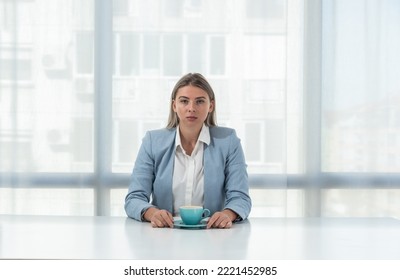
217	55
265	9
146	54
84	53
15	65
128	56
183	8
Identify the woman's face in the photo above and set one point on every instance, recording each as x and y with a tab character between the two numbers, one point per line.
192	105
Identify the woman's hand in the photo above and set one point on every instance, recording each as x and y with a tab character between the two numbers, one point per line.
223	219
159	218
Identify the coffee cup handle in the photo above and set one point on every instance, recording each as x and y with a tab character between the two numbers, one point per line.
206	213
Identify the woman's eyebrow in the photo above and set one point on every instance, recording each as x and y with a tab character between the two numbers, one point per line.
185	97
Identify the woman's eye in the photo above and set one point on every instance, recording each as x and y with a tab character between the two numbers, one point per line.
184	101
201	101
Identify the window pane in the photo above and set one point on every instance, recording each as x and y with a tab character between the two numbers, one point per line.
151	51
116	196
217	56
348	202
127	141
82	141
196	53
360	131
172	55
265	56
46	87
129	54
265	8
253	142
276	203
174	8
84	53
275	143
15	155
254	67
47	201
21	69
120	7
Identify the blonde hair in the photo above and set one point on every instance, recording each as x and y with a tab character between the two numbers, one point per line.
196	80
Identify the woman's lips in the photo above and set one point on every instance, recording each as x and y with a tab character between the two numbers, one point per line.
191	118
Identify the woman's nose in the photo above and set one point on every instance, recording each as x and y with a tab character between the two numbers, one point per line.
191	107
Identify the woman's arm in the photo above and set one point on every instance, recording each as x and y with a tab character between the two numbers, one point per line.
236	180
137	201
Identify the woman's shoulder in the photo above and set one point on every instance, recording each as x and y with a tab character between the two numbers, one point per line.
221	132
159	136
161	131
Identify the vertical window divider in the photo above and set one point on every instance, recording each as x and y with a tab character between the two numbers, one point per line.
103	48
312	106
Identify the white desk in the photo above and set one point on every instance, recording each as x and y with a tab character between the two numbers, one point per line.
53	237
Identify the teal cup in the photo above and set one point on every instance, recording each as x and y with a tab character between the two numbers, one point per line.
192	215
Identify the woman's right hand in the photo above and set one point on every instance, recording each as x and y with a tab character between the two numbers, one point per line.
159	218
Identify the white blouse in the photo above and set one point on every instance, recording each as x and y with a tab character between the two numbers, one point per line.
188	177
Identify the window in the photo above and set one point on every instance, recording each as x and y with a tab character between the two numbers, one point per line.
265	9
15	65
129	55
152	54
183	8
217	55
312	103
84	53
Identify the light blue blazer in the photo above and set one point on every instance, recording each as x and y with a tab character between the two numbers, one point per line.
225	174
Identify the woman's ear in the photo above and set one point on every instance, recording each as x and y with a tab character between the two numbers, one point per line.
173	105
211	106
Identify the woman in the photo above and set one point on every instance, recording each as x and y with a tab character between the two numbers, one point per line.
191	162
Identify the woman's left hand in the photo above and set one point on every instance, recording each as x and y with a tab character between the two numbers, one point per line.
222	219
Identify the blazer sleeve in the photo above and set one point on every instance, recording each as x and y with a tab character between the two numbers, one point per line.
236	180
140	189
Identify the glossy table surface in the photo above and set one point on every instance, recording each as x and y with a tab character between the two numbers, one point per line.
67	237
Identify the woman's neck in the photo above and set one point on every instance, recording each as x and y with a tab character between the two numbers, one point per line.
189	138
